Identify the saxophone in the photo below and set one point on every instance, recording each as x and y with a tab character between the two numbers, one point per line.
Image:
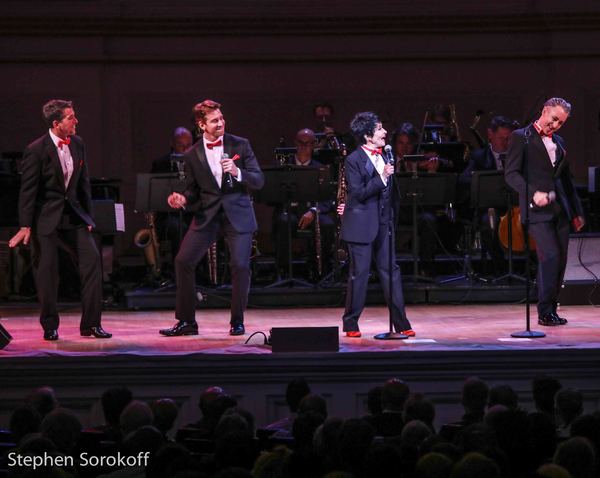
147	240
340	253
318	242
212	263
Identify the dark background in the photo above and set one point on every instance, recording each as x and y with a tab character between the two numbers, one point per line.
135	69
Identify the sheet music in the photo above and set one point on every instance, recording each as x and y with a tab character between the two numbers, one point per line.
119	217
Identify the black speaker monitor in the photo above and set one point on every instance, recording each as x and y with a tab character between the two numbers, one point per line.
305	339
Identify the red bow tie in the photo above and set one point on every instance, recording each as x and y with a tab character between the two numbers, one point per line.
373	151
214	144
64	141
538	128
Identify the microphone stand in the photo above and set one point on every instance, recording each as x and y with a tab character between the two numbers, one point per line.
527	333
390	335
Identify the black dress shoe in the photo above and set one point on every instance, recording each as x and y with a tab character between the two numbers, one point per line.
237	329
51	334
97	332
181	328
548	320
559	319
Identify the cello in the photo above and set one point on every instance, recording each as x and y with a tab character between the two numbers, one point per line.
517	234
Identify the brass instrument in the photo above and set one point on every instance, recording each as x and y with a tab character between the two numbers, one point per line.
318	242
340	253
147	240
454	130
212	263
283	155
473	128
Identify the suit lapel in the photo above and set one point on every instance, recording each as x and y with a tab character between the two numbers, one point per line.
538	144
561	156
369	168
201	154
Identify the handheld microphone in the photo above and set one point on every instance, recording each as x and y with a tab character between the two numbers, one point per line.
388	154
227	179
551	199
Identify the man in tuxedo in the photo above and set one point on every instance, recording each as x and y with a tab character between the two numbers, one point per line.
220	169
366	220
489	158
55	210
537	168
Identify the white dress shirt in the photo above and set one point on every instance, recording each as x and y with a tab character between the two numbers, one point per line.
64	155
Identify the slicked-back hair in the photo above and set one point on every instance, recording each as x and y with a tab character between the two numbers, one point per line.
201	110
364	124
54	110
503	122
564	104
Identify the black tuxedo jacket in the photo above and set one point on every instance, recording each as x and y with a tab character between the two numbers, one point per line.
43	197
527	149
481	159
367	199
205	197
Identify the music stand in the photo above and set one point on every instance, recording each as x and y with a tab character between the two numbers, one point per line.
423	189
489	190
284	185
152	192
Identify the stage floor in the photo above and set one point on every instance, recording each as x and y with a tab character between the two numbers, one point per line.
438	328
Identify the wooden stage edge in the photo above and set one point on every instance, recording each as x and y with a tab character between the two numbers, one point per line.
452	343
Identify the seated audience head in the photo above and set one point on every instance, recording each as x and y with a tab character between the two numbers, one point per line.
272	463
24	420
114	400
544	391
474	395
503	395
144	439
296	390
476	465
313	403
165	413
232	422
356	437
374	400
433	465
568	405
43	399
213	403
394	394
577	456
417	407
552	470
63	428
414	434
135	415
